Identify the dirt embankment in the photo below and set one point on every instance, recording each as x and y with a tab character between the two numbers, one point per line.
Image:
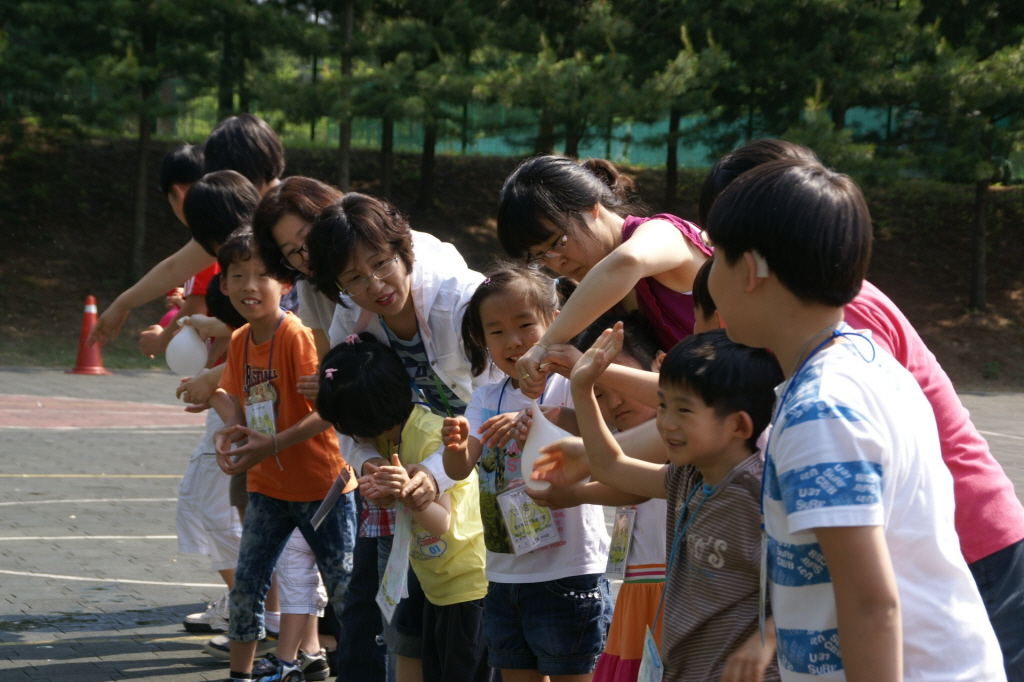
66	221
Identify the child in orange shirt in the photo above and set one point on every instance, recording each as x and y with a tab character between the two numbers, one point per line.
288	477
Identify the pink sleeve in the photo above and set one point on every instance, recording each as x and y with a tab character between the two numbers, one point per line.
988	514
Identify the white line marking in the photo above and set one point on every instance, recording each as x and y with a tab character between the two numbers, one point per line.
177	428
89	537
1001	435
127	499
108	580
87	400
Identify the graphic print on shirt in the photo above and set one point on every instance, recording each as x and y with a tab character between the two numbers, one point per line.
499	470
261	400
426	545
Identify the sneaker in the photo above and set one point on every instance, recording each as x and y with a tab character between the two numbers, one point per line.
213	619
314	667
270	669
220	646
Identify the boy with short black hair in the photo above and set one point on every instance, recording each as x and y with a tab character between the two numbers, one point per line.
289	476
715	400
179	168
705	312
867	580
245	143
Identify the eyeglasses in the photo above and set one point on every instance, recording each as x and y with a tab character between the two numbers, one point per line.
295	259
535	261
360	285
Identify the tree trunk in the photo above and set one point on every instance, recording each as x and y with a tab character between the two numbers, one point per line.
545	134
465	126
609	128
244	60
345	122
977	296
312	121
387	155
672	158
426	197
573	134
137	266
226	76
838	117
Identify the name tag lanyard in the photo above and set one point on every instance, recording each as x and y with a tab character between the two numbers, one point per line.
504	385
270	357
763	580
679	534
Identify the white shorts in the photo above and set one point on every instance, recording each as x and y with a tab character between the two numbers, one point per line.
205	520
299	587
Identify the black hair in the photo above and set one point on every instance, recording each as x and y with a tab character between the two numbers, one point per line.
545	294
216	205
219	305
245	143
183	165
810	224
547	192
364	388
739	161
639	342
238	247
729	377
298	196
351	220
701	294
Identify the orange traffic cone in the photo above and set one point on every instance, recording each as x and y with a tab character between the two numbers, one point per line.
88	361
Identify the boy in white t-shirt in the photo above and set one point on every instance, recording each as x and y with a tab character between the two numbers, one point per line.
867	580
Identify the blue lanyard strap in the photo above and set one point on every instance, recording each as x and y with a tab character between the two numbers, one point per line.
677	538
785	394
504	385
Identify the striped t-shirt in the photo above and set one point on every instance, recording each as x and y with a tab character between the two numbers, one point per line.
417	364
711	595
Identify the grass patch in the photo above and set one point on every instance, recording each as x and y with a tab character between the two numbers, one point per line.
60	352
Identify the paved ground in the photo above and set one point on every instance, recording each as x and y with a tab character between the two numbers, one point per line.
91	585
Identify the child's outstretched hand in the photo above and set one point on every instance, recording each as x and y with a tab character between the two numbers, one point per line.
258	447
747	663
497	430
595	361
562	463
150	341
369	489
553	497
207	327
524	420
455	433
175	298
393	478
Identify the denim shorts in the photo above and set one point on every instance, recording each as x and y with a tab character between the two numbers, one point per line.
556	627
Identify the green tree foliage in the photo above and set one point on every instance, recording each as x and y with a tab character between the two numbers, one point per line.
970	105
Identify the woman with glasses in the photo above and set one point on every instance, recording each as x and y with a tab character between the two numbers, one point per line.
580	221
410	291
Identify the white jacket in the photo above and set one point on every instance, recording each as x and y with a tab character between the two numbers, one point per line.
441	287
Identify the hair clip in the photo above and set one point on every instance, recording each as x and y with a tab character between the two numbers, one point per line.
329	373
353	339
486	281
